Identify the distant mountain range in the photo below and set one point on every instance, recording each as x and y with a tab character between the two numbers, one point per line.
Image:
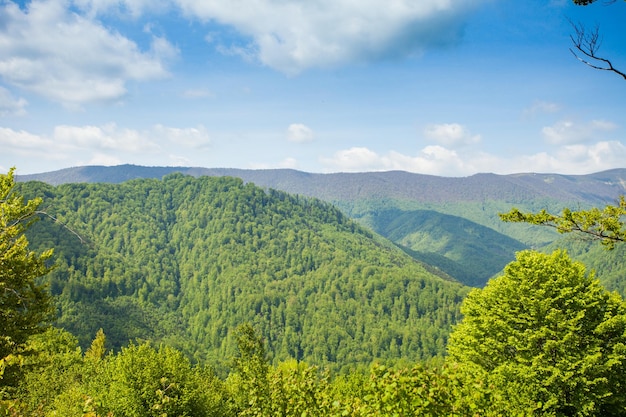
451	223
597	188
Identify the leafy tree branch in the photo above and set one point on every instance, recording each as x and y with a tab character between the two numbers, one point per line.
606	225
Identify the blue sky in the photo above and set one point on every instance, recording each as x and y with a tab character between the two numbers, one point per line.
443	87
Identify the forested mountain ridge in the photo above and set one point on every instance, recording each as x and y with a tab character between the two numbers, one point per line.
471	253
185	260
451	223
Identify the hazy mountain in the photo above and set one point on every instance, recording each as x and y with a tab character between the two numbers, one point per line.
597	188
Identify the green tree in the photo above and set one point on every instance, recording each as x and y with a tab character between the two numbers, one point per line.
606	225
25	305
142	381
548	336
250	383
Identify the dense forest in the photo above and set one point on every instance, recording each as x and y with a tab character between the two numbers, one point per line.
186	260
450	223
211	297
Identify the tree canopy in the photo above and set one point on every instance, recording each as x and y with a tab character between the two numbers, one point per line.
24	304
186	260
548	335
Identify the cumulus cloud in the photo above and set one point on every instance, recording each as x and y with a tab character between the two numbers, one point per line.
108	137
70	58
433	159
287	163
450	135
107	144
295	35
9	105
297	132
355	159
438	160
193	137
34	147
103	159
569	132
22	140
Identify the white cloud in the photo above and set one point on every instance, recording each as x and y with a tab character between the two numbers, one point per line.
541	107
354	159
295	35
20	144
569	132
297	132
438	160
108	137
289	162
103	159
22	140
433	159
106	144
69	58
450	135
9	105
193	137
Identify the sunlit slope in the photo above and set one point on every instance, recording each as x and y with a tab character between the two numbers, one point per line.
442	240
185	260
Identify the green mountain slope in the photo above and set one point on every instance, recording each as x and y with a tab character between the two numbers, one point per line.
366	196
185	260
466	250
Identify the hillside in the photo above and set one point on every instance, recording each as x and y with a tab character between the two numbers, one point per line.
378	200
465	250
185	260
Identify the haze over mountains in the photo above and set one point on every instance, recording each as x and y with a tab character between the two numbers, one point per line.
599	188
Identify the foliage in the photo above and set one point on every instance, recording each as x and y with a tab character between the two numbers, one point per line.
605	225
371	199
138	381
184	261
470	252
608	266
547	335
25	306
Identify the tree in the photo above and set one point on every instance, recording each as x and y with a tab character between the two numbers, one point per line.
25	306
587	44
548	336
604	225
250	382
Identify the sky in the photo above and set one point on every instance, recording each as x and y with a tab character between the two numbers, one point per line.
441	87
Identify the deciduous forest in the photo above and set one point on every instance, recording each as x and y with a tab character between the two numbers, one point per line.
209	296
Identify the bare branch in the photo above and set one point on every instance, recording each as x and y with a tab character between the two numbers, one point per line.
63	225
588	44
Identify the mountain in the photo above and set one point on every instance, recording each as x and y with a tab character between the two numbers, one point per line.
475	244
471	253
597	188
184	261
